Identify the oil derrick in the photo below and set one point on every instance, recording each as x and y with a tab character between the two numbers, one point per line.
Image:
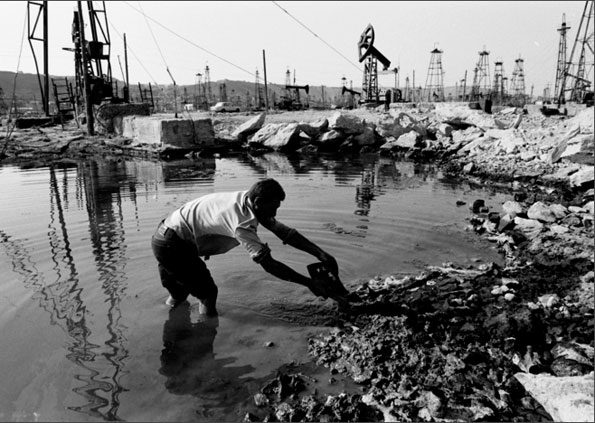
434	81
292	99
561	68
288	95
498	92
200	101
517	87
581	90
207	89
369	54
481	78
222	92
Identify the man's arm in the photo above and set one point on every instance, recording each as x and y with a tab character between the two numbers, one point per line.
286	273
297	240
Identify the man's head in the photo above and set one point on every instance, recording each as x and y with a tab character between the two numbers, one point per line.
266	196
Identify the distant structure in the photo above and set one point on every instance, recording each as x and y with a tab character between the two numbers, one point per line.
434	80
222	92
481	77
577	77
561	68
371	56
498	89
258	93
208	90
518	81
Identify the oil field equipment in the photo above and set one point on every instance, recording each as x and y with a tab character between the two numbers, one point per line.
434	80
369	54
578	75
291	100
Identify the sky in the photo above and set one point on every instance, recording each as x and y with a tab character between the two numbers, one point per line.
317	41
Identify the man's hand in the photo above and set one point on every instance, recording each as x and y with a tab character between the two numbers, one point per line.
329	262
322	288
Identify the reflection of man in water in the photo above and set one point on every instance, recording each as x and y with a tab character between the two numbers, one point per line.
188	360
214	224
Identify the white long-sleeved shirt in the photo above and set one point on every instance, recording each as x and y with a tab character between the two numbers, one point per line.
218	222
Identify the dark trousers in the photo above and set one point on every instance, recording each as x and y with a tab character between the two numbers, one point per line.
181	269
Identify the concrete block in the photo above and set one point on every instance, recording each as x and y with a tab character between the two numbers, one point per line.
169	133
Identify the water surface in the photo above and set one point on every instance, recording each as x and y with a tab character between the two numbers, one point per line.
85	332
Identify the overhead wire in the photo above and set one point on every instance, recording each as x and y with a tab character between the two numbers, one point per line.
135	56
155	40
316	35
9	129
191	42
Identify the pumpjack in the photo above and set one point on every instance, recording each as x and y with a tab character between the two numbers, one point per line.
293	102
353	94
369	54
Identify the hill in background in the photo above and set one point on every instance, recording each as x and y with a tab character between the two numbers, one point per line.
28	91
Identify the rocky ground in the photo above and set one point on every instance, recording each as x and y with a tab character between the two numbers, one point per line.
511	343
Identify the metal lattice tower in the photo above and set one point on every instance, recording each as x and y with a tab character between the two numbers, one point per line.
370	80
583	79
498	86
518	79
561	68
434	81
481	78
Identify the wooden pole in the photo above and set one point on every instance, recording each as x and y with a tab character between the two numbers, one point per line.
46	88
266	93
127	95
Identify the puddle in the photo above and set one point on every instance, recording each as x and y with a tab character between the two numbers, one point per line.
85	328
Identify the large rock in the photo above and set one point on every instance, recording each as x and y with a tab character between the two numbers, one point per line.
314	129
580	149
512	143
531	228
286	138
561	146
397	124
512	208
331	137
409	140
346	123
566	399
582	178
540	211
367	137
266	132
250	127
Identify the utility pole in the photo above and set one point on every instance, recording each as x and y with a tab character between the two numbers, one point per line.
413	85
88	102
46	103
464	85
266	93
127	90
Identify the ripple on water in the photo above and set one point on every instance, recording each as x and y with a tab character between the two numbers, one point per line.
76	260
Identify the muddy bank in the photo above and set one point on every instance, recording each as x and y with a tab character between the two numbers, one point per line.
487	344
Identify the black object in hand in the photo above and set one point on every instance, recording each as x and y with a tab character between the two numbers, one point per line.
319	272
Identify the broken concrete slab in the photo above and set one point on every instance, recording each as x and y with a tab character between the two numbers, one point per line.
566	399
